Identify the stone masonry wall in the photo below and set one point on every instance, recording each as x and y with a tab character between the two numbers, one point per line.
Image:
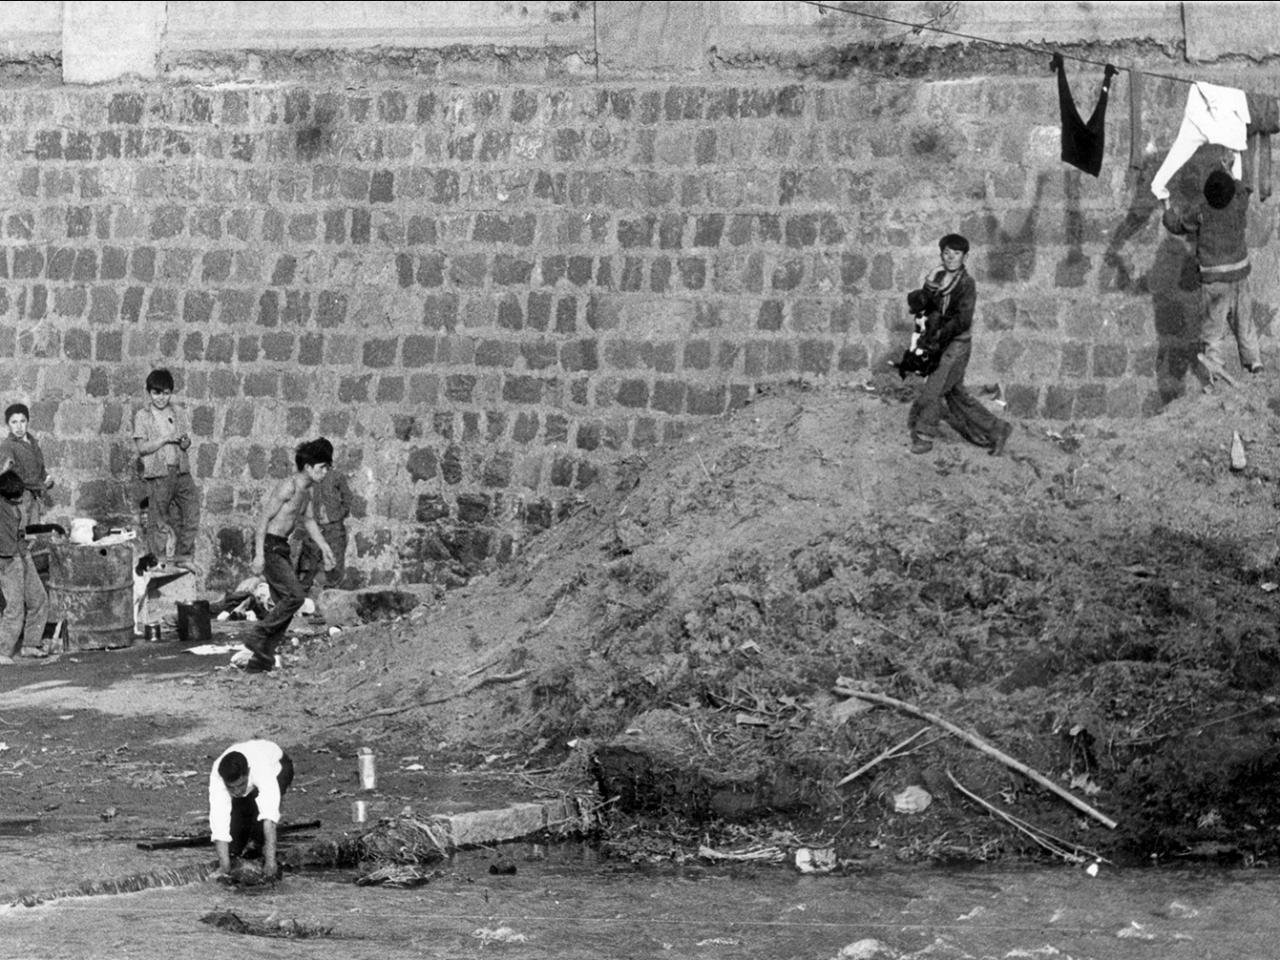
485	291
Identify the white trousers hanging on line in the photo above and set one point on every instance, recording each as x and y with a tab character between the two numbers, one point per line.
1213	114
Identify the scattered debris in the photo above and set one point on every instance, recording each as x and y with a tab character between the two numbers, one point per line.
816	860
487	936
867	949
397	875
914	799
1238	459
767	854
267	927
975	740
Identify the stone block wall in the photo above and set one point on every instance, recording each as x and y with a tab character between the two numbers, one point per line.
484	291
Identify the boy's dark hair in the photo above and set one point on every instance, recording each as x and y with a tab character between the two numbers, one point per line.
13	408
232	767
160	379
11	486
953	241
1219	189
313	452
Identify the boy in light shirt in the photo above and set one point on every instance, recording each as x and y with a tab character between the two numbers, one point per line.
246	786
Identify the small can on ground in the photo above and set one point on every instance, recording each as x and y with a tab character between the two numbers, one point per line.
368	771
154	634
359	811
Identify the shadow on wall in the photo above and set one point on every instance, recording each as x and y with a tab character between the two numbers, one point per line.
1011	257
1172	281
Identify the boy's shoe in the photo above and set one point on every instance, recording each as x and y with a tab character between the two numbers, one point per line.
251	662
1256	368
921	445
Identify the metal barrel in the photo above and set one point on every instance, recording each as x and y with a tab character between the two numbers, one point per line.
91	588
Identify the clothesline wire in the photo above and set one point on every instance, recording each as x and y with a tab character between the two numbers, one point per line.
917	27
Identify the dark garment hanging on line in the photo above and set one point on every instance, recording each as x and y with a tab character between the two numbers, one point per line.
1082	143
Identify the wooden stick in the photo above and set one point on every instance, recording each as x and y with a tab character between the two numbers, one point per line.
470	688
173	843
974	740
881	758
1055	845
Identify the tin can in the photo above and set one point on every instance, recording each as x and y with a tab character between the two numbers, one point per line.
153	634
368	772
359	811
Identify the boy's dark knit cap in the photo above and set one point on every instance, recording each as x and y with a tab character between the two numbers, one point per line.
16	408
954	241
1219	189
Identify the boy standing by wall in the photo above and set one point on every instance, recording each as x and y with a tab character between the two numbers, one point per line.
1217	227
20	452
26	604
161	439
288	503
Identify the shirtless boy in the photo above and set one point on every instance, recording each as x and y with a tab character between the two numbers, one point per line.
289	503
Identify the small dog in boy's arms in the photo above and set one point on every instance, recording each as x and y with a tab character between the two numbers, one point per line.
922	355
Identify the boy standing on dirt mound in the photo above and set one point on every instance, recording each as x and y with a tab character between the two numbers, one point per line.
1218	228
948	297
289	503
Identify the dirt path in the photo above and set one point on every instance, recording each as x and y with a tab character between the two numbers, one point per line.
101	749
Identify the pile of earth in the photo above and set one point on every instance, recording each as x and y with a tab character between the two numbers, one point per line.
1096	604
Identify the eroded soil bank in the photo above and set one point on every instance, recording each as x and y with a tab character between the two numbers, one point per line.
1098	604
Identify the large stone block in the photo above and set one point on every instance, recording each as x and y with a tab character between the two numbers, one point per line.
480	827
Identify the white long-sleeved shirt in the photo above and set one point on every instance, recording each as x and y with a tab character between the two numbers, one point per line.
263	757
1213	114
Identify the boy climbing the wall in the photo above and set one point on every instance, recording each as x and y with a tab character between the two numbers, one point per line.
1216	225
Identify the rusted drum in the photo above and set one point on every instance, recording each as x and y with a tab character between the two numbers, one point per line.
91	588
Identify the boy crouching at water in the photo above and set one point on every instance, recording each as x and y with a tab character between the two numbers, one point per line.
289	503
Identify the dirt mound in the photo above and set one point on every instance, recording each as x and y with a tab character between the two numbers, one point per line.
1096	604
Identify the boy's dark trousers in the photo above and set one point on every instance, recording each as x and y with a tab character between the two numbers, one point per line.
172	503
944	397
289	594
246	828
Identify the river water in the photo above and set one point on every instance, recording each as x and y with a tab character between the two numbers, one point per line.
568	904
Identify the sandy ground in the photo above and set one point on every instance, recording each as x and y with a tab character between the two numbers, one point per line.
102	749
